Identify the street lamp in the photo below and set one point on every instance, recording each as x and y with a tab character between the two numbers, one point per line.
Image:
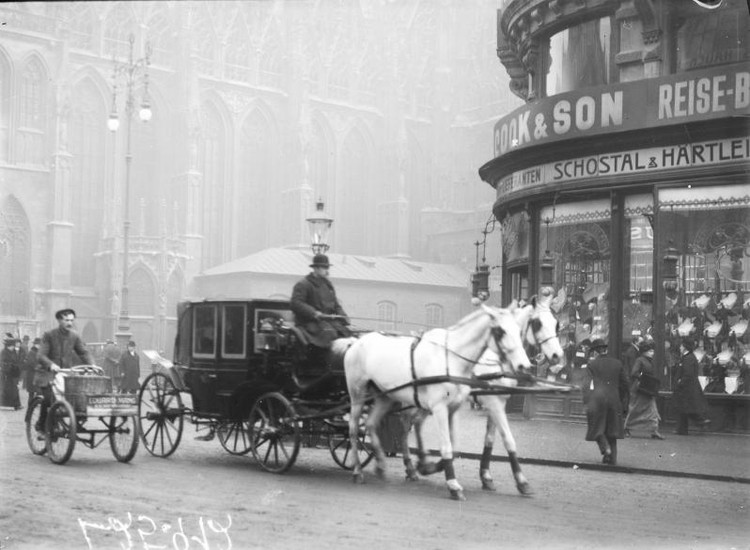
129	72
319	224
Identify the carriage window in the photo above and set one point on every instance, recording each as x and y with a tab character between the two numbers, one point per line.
204	331
234	332
267	325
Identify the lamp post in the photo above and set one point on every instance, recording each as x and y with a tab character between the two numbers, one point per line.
319	224
129	73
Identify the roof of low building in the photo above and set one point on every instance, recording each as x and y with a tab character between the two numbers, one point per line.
289	261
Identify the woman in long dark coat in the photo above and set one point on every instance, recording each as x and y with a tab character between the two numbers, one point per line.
10	370
643	410
607	402
688	398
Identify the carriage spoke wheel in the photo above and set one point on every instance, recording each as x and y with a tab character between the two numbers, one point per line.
274	433
37	446
234	436
123	437
340	445
160	415
61	431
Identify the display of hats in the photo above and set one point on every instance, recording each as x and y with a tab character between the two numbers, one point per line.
712	330
739	328
686	327
699	354
702	301
729	300
724	357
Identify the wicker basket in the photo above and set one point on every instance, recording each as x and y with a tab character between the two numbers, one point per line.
78	387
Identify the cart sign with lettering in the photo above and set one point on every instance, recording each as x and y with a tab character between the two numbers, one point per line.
112	405
717	92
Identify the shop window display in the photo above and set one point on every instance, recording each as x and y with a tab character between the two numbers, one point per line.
707	290
577	236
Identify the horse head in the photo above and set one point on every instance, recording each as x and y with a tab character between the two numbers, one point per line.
539	326
505	338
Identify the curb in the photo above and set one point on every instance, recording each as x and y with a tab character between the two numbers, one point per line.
597	467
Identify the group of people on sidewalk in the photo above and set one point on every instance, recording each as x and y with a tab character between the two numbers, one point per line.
619	397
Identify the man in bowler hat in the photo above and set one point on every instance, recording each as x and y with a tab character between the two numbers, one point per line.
316	309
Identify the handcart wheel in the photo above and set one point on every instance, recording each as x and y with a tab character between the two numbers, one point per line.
234	436
341	448
274	433
160	415
61	431
37	446
123	437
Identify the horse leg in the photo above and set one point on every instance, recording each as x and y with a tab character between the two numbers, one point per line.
407	418
501	421
489	440
354	415
446	451
424	467
378	410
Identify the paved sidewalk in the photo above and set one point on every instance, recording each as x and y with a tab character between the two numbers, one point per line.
561	443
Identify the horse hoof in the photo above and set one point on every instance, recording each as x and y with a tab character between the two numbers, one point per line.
489	485
457	495
525	489
380	472
412	476
359	479
429	468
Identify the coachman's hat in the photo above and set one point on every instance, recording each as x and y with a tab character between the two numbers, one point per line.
65	311
320	260
598	344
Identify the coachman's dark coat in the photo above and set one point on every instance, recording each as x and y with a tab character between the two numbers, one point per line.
607	401
316	294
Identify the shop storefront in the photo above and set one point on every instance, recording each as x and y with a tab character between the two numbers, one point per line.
631	198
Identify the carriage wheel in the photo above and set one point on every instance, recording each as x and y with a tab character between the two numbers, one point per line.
32	419
160	415
123	437
274	433
341	448
61	431
234	436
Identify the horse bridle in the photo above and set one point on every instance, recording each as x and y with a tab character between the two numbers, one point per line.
537	341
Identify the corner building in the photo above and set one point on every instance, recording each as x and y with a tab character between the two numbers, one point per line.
623	180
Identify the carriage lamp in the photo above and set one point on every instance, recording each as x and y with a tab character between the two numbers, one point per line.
671	256
319	224
547	267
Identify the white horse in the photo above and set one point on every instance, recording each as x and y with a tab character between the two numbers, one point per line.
432	373
538	327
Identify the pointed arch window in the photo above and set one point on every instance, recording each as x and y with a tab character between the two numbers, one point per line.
31	114
387	315
142	293
214	188
87	136
15	259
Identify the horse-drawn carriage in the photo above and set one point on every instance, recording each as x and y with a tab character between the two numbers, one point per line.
84	410
247	379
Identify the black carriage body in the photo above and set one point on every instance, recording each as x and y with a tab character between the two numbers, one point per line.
229	352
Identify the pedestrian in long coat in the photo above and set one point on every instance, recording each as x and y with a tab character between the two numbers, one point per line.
607	403
130	367
10	372
643	410
688	398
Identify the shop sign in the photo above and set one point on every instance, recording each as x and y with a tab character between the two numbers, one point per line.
717	92
628	162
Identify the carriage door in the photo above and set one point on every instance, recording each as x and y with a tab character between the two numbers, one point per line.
203	365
